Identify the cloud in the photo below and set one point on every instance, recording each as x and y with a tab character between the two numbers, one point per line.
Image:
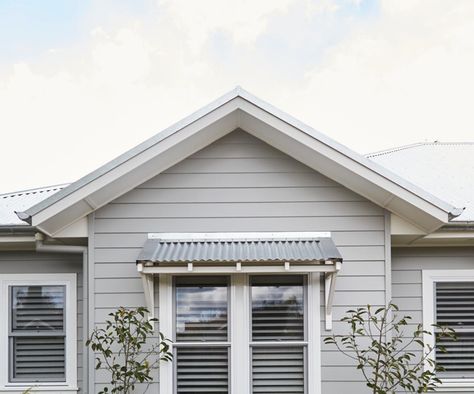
369	80
243	20
401	79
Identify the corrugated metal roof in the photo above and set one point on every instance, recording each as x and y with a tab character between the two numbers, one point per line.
22	200
245	250
444	169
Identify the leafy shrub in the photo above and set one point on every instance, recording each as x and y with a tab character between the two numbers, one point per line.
123	351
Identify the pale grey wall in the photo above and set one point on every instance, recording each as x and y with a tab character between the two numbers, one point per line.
407	266
241	184
49	263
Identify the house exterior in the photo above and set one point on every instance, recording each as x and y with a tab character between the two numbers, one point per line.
248	235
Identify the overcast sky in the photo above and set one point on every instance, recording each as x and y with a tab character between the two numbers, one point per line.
83	81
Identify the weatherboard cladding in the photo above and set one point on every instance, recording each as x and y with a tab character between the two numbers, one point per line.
243	250
241	184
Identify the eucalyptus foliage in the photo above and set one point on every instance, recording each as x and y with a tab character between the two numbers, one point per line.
124	351
389	358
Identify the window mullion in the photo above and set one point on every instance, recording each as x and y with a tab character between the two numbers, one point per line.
239	334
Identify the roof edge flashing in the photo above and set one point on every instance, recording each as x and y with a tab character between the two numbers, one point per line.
239	236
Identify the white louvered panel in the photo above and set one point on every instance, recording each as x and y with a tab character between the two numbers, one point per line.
455	308
38	359
278	370
202	370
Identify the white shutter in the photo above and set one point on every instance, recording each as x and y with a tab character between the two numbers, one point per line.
37	333
202	370
278	370
455	308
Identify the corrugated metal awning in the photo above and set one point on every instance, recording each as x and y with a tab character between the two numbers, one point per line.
300	248
233	253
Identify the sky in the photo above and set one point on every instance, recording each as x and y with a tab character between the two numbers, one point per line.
82	81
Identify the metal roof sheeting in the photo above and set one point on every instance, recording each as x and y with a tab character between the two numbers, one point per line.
444	169
22	200
245	250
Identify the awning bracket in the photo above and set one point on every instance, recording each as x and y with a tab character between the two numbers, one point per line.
329	290
149	291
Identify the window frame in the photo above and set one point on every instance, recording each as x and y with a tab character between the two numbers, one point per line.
304	343
239	320
429	279
68	280
203	344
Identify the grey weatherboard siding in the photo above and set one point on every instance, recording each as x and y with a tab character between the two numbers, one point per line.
50	263
240	184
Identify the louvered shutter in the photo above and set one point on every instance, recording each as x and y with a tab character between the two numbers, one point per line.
202	369
37	333
201	318
455	308
277	369
278	317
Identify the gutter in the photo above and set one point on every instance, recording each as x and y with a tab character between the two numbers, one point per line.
16	229
73	249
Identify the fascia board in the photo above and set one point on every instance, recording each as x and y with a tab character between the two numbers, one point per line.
136	151
345	151
138	169
313	153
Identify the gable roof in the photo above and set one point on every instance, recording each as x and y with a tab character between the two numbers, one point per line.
442	168
240	109
22	200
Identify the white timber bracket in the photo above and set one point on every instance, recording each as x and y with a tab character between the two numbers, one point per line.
149	291
329	289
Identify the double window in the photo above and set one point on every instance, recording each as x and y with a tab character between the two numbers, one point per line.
241	334
37	343
448	300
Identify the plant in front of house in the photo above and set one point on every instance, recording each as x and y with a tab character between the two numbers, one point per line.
124	351
389	358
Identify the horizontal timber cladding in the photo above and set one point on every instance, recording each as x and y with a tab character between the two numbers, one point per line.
407	266
49	263
240	184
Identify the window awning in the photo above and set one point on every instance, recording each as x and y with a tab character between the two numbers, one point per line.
245	248
227	253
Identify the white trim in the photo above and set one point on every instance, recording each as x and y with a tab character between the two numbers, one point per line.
429	278
239	334
67	280
242	235
232	269
165	322
314	333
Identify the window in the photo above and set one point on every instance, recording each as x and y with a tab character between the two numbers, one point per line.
38	341
241	333
448	300
201	331
278	337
